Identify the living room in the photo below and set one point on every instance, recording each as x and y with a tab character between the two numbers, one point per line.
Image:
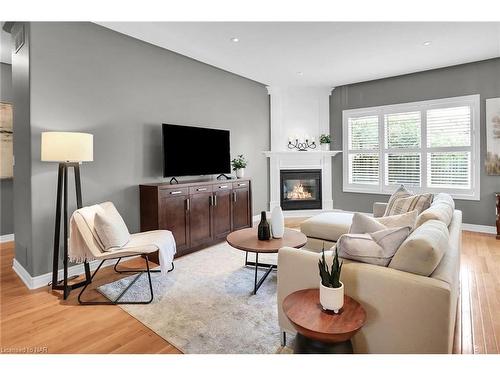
250	187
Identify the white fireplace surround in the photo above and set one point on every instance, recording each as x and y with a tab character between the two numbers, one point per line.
285	160
299	112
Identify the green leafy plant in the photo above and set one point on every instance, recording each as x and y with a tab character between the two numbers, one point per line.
324	138
330	278
239	163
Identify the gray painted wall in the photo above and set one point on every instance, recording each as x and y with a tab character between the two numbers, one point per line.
6	196
87	78
476	78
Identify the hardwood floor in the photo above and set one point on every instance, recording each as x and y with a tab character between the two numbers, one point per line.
41	320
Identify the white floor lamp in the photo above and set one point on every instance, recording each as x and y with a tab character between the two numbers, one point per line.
69	150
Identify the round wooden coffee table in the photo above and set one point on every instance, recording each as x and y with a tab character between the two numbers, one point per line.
246	240
320	331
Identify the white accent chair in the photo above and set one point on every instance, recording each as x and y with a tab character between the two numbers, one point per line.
85	242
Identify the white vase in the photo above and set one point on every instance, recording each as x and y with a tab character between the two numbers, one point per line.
277	222
331	298
325	147
240	173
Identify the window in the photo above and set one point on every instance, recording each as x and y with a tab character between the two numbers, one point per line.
429	146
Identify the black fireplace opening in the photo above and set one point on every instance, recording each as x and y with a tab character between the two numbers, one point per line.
300	189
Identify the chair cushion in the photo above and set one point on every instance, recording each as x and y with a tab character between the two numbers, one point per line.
442	208
366	224
110	227
329	225
424	248
375	248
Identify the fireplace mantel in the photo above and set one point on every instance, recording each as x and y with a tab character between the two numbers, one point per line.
282	160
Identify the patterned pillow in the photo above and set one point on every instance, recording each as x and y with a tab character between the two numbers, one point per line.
419	203
409	205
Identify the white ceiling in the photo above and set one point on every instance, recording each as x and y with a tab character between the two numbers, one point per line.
327	53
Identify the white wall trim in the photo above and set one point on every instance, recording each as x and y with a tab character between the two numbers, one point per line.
479	228
35	282
7	238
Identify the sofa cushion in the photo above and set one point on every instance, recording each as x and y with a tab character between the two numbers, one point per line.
442	208
110	227
366	224
424	248
329	225
375	248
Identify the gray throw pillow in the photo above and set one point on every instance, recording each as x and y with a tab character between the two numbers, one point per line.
367	224
375	248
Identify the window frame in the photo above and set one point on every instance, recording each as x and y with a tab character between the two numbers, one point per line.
472	101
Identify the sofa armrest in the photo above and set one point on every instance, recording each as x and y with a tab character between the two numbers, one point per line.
406	313
379	209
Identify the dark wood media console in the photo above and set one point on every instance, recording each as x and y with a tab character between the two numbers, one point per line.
199	213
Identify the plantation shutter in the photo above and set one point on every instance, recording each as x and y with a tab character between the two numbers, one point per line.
363	150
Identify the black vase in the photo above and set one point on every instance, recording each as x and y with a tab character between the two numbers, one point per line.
263	230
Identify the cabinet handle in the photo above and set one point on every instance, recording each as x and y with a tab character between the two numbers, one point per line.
176	192
188	205
242	184
201	189
215	200
234	196
223	187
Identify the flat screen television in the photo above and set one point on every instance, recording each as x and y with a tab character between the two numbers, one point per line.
193	151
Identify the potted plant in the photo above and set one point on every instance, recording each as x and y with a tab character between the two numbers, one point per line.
239	164
324	141
331	289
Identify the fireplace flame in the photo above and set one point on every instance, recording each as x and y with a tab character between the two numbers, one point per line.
298	192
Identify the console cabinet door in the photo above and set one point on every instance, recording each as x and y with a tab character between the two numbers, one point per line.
241	208
222	213
200	222
173	217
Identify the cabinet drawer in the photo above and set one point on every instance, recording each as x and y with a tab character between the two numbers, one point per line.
240	184
227	186
200	189
173	192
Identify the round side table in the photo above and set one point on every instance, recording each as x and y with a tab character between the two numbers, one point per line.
320	331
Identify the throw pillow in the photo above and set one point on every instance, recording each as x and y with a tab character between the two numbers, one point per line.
419	202
374	248
401	192
366	224
111	228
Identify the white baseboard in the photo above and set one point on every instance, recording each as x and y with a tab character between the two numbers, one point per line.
479	228
7	238
35	282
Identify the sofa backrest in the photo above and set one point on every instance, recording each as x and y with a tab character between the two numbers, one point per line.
424	248
441	209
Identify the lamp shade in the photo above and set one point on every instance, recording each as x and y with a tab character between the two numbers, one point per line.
67	147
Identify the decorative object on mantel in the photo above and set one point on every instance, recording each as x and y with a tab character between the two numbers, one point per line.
277	222
498	215
492	162
239	164
70	150
6	141
299	145
324	141
263	230
331	289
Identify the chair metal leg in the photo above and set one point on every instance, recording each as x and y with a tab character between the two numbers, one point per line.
117	300
283	338
115	268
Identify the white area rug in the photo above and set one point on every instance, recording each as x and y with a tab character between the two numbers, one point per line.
206	304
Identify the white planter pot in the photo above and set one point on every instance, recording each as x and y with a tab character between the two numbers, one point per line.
331	298
240	173
325	147
277	222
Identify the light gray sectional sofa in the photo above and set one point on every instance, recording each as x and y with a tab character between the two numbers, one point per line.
411	305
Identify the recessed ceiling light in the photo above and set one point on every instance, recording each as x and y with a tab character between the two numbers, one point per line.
427	43
235	40
300	73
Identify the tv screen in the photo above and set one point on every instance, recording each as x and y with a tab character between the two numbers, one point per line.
192	151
